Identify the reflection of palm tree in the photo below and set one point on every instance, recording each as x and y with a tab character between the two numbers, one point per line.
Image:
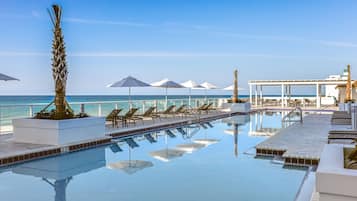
236	140
60	187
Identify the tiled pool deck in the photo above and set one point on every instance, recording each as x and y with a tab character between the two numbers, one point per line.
12	152
300	143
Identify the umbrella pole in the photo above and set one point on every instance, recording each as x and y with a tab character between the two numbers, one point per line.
166	101
129	102
205	95
189	97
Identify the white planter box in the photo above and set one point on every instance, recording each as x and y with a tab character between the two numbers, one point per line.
333	181
236	107
58	132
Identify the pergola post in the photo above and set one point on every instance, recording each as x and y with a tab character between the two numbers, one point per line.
282	95
318	100
250	94
261	95
256	95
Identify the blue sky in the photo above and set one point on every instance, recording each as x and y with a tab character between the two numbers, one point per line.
178	39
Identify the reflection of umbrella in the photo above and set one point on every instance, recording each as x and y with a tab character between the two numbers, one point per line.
190	85
230	131
4	77
129	82
166	83
131	166
207	85
167	154
206	141
191	147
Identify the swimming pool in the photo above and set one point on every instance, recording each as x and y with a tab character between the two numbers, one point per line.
211	161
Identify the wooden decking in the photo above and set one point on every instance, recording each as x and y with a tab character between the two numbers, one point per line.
300	144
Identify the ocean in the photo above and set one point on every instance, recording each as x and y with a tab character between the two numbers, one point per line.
12	107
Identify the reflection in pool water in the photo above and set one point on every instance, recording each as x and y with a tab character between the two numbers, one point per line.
199	162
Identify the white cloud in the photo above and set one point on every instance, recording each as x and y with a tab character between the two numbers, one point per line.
338	44
16	53
105	22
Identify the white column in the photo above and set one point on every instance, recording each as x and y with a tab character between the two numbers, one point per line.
282	95
261	95
256	95
318	102
250	94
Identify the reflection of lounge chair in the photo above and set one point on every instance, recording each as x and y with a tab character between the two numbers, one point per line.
113	117
150	138
149	113
170	134
129	116
115	148
131	143
209	124
180	130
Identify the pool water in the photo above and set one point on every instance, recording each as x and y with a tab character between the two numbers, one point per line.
201	162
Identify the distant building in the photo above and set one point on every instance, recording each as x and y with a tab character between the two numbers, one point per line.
337	91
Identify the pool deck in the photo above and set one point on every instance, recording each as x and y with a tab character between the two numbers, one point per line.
300	144
13	153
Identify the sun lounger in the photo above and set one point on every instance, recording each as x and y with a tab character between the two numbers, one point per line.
149	113
113	117
206	108
341	118
167	112
182	110
342	135
129	117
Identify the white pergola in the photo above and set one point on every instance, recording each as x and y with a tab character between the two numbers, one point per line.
285	85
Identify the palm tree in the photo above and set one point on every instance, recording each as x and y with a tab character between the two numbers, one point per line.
59	66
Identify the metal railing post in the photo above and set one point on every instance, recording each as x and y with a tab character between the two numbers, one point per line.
31	111
82	108
143	104
155	104
99	109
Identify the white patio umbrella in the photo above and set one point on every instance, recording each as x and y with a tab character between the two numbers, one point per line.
191	85
129	82
231	88
166	83
4	77
208	86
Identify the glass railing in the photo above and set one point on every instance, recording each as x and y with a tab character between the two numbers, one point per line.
97	108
